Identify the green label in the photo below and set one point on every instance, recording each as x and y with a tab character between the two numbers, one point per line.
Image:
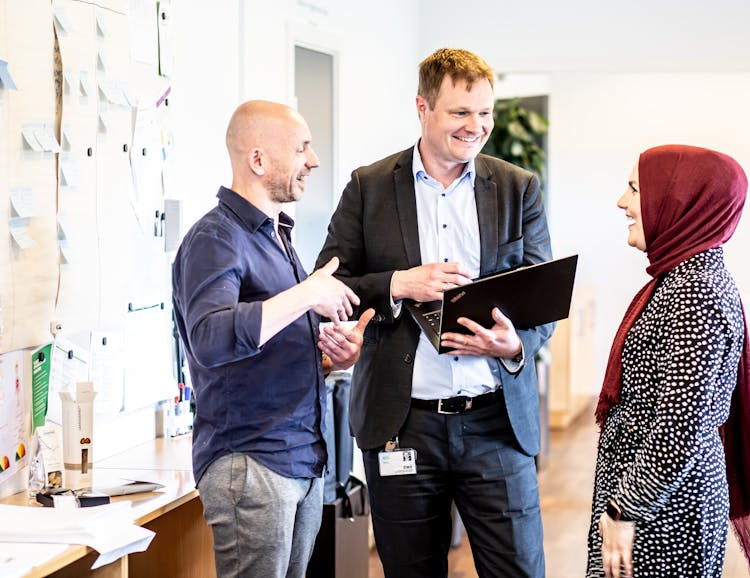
40	371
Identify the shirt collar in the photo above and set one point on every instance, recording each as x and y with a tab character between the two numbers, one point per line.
249	214
418	169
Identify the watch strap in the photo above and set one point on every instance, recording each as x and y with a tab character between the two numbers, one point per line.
615	512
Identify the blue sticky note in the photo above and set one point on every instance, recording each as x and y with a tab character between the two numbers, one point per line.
5	78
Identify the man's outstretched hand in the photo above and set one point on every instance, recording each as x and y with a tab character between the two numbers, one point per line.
342	346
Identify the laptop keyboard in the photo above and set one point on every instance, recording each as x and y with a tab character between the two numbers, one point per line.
433	319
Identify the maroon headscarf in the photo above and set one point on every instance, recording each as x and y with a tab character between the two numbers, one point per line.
691	201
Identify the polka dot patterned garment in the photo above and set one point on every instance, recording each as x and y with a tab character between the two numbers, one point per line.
660	456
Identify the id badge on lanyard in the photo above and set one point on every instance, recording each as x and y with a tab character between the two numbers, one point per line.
395	461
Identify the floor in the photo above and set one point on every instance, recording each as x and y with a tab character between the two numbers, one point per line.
565	485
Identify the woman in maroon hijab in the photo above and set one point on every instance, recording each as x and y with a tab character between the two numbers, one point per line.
661	498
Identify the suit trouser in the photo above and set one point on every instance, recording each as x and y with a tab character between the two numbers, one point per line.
470	458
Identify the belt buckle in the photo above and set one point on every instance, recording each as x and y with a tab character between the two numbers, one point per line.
442	411
467	406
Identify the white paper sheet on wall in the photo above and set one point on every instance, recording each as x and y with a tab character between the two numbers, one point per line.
13	441
71	86
148	371
21	235
77	306
29	137
146	164
102	63
23	203
107	370
68	253
69	171
166	40
103	116
98	357
45	135
70	364
67	137
85	81
61	22
144	35
6	80
101	23
62	226
113	92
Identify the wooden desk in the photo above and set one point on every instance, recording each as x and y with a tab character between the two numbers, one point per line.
183	545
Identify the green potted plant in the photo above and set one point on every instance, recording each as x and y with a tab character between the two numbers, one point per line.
518	137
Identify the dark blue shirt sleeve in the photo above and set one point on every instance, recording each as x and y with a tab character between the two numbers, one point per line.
221	329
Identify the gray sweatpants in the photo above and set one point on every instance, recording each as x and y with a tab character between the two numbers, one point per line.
264	525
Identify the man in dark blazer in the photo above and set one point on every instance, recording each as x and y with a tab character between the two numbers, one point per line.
461	427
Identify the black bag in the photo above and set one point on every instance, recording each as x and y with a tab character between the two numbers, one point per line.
342	546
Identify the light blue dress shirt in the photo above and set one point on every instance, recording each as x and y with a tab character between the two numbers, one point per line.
449	231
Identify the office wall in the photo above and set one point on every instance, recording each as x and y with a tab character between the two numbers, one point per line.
206	91
620	78
549	36
605	121
377	48
246	50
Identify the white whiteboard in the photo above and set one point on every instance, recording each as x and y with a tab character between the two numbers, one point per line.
97	264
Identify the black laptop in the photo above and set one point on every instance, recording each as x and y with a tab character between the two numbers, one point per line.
528	296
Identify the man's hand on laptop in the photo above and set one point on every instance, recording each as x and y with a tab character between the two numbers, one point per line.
428	282
501	340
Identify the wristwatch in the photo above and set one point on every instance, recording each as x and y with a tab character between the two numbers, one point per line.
615	512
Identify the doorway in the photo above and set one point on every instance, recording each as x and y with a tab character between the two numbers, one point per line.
314	92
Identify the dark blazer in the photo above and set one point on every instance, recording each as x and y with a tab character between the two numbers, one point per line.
374	232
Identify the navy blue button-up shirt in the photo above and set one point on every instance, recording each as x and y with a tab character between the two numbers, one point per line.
267	401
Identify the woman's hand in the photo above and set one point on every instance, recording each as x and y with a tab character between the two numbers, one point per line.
617	546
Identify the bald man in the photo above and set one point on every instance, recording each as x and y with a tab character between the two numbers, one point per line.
249	316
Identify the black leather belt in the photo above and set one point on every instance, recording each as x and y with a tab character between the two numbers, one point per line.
460	404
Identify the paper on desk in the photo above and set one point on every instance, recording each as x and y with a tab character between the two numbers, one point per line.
107	529
18	559
131	487
125	540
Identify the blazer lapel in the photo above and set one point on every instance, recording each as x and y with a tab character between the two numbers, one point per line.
406	207
485	193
